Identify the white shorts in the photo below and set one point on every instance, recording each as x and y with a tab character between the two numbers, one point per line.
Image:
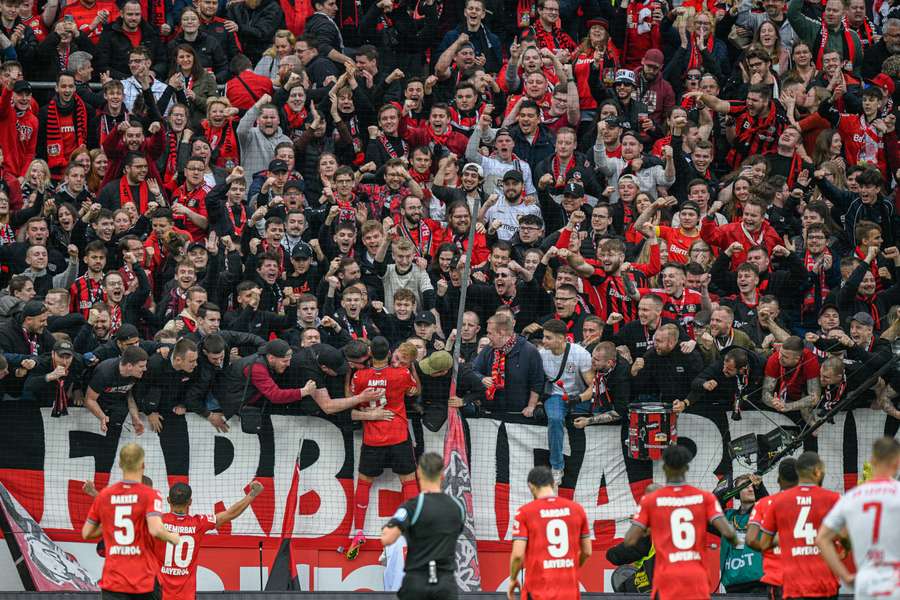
877	583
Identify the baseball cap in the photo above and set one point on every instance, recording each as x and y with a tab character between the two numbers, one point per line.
691	205
625	76
513	174
826	306
863	318
701	319
885	82
276	348
601	22
196	246
474	167
502	131
425	317
64	348
278	166
612	122
22	87
127	332
653	56
629	177
331	358
293	184
574	189
436	362
33	308
302	251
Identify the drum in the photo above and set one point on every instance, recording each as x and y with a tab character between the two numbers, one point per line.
651	428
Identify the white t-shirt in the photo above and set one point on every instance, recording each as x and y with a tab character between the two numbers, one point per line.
509	214
394	563
578	361
871	514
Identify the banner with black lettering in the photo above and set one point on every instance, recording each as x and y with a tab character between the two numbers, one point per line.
307	466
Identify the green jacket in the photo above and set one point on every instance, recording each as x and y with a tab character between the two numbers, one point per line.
810	31
739	564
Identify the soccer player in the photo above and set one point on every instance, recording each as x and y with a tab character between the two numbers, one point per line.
128	515
795	515
178	570
773	570
870	512
552	538
385	442
677	516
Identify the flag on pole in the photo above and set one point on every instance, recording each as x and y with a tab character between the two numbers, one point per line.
458	483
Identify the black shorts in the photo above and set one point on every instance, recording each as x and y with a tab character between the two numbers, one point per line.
399	457
416	587
108	595
775	592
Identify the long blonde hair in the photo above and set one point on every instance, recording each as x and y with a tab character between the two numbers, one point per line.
281	33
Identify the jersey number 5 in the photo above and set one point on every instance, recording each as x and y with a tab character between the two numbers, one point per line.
683	533
123	533
557	538
182	554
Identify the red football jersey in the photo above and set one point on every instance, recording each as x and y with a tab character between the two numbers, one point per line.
677	516
122	510
790	384
795	515
773	571
178	572
395	382
553	528
679	243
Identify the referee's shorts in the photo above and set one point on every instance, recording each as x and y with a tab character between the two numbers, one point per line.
416	587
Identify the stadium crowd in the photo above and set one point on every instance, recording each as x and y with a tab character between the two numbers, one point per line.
688	204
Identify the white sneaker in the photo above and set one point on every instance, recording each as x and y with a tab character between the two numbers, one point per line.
557	476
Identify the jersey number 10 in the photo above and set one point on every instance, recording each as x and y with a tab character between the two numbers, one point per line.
181	555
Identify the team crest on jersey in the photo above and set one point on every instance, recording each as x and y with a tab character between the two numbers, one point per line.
25	132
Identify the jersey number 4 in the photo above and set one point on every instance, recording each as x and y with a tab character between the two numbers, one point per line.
803	529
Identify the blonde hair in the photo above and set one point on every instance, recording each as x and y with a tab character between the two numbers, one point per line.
131	457
281	33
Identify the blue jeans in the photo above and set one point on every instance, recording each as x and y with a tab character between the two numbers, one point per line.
557	410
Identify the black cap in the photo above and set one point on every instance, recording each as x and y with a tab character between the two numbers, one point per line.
302	251
331	358
828	305
292	184
612	122
276	348
701	319
127	332
197	245
64	348
690	204
33	308
502	131
22	86
180	494
513	174
277	166
574	189
425	317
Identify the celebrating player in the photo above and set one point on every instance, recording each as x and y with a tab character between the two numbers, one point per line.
129	515
795	515
178	572
677	516
870	512
773	569
384	442
551	536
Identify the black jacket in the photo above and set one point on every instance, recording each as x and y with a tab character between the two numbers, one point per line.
113	48
209	52
256	26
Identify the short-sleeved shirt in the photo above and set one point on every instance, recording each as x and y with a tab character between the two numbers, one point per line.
508	215
679	244
773	570
122	509
178	564
795	515
871	514
790	384
677	516
395	383
553	528
577	362
109	384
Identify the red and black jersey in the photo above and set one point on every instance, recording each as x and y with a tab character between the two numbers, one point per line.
83	293
755	135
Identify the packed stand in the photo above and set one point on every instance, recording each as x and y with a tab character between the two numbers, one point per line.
260	207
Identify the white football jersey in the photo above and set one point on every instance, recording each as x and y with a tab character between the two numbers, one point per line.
871	514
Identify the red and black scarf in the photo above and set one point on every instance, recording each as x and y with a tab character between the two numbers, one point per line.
601	401
696	59
849	48
55	143
223	141
422	241
295	119
125	194
809	299
498	369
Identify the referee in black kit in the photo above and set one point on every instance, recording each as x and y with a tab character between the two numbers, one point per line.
431	523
